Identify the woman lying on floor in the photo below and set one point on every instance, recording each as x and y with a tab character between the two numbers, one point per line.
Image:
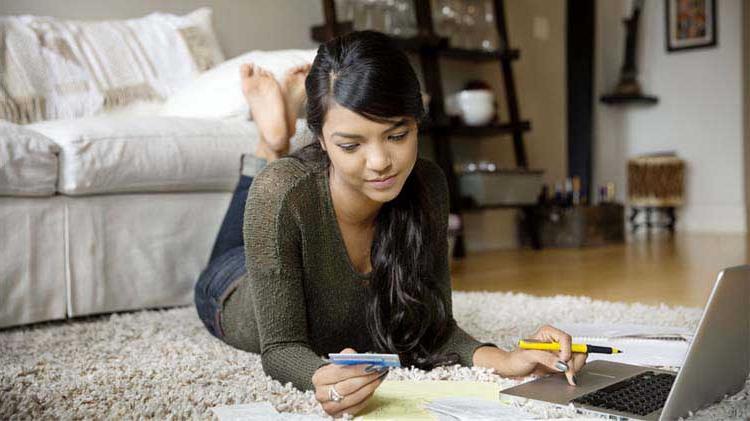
345	241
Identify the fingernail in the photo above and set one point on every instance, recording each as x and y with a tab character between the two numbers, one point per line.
370	368
575	380
561	366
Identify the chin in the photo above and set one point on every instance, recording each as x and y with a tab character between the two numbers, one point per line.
384	196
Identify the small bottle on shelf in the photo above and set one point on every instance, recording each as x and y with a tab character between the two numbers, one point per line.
610	192
568	198
607	193
543	199
558	200
576	191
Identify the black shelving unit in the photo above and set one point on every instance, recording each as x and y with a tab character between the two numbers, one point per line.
488	130
430	48
629	99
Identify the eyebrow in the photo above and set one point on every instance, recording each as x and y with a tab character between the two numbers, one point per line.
397	124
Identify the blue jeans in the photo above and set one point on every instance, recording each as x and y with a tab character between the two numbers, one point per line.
226	266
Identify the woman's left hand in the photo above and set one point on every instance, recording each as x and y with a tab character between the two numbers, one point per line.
535	362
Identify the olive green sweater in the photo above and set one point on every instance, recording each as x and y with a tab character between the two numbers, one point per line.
302	298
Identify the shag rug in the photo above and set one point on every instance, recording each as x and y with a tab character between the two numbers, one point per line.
164	364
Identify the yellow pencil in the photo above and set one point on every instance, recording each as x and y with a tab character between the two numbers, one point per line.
554	346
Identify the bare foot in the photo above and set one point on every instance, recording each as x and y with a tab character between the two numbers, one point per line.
263	95
293	88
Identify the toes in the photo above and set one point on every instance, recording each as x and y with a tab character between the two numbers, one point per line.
247	70
255	70
302	68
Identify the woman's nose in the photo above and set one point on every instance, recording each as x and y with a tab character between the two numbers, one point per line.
378	160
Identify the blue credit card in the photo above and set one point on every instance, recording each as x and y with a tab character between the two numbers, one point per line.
378	360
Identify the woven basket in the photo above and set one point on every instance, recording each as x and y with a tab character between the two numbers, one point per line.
656	181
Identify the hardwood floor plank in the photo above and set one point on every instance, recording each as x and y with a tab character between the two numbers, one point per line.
678	270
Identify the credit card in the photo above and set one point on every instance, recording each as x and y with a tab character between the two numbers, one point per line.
378	360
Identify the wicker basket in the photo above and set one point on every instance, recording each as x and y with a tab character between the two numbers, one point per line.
656	181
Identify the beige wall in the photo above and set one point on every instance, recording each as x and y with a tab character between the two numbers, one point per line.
699	114
275	24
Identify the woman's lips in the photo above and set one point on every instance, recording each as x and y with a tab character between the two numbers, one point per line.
384	184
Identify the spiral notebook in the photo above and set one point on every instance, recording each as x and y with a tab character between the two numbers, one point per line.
646	345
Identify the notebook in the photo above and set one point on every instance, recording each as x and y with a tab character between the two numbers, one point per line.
645	345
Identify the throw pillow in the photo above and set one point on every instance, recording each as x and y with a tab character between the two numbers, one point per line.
58	68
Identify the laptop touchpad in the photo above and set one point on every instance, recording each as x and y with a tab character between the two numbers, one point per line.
555	388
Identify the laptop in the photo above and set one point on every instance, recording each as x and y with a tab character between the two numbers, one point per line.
717	364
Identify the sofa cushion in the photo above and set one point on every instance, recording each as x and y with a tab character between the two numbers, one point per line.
28	162
110	154
56	68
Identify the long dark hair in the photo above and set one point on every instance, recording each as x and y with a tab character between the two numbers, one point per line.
367	74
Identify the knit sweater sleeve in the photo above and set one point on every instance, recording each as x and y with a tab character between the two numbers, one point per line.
273	254
458	340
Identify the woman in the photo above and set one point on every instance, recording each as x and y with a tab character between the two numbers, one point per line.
346	243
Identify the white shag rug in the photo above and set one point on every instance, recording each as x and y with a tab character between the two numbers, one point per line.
164	364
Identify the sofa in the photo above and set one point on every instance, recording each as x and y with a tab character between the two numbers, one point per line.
114	180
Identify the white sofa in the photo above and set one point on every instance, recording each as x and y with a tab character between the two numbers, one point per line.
118	209
112	213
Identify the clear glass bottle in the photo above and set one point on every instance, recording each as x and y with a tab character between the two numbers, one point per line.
489	40
447	19
470	25
404	21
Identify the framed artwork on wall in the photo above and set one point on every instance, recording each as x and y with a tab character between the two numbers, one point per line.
690	24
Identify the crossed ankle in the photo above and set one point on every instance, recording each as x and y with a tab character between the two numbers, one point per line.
279	146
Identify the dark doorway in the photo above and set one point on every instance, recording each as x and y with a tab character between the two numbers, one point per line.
581	30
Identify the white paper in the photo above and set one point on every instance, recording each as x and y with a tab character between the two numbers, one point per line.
258	411
600	330
651	353
640	343
250	411
450	409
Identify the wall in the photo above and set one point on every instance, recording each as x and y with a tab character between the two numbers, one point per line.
699	114
240	25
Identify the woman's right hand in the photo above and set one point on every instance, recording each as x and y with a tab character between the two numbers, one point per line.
352	382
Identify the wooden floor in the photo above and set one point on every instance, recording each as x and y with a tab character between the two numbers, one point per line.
677	270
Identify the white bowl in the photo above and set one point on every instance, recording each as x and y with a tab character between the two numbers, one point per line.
477	96
477	107
477	116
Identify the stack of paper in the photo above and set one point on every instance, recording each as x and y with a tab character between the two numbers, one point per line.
626	331
469	409
653	346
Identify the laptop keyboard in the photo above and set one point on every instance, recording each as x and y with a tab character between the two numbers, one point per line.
640	395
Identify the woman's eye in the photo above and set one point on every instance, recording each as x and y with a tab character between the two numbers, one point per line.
349	148
398	136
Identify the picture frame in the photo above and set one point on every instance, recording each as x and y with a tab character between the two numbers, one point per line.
690	24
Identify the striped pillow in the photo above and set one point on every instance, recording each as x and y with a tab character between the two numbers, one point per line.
58	68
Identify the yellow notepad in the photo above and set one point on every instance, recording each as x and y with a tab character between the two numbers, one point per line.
403	400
